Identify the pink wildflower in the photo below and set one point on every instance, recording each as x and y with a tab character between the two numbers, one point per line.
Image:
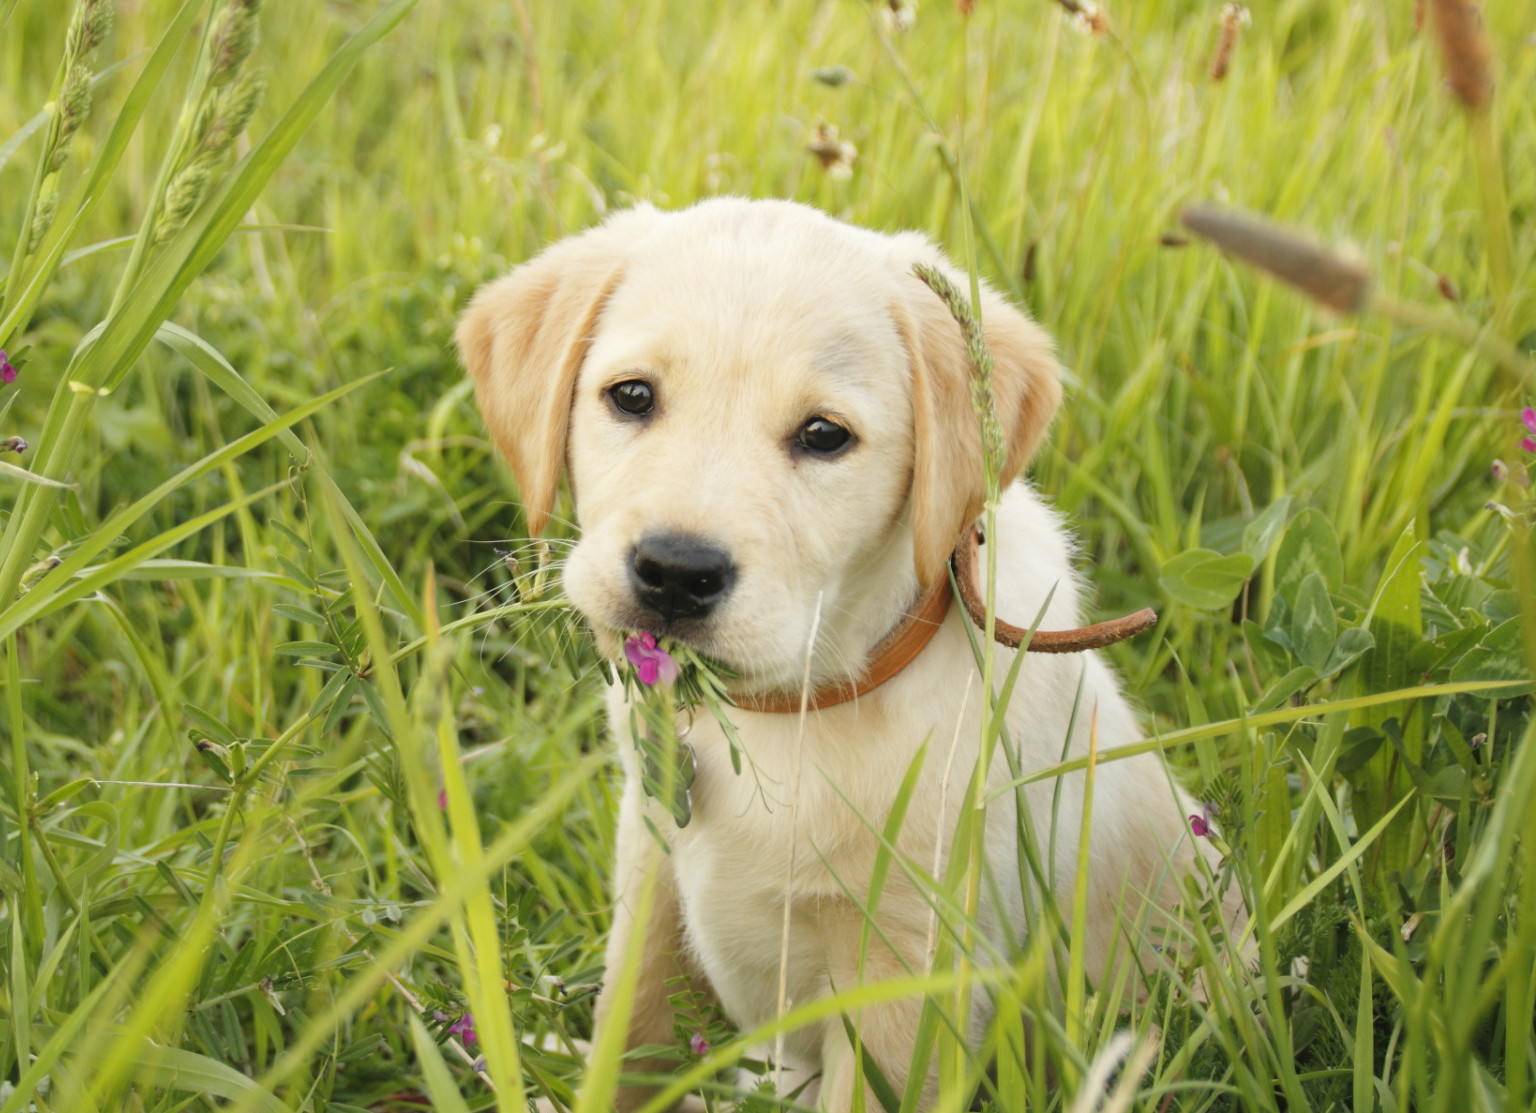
698	1044
1200	825
7	371
652	663
464	1028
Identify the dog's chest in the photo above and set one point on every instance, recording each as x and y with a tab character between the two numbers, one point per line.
763	839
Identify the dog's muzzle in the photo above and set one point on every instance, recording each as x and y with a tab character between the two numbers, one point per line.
679	576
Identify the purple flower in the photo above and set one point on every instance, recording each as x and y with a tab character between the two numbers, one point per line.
698	1044
1528	443
652	663
464	1028
442	798
1527	415
7	370
1200	825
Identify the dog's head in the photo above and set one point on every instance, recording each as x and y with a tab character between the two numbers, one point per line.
762	410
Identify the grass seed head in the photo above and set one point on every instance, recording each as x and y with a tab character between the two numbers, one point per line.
835	155
1234	17
42	216
1464	51
980	359
1085	16
899	15
74	107
182	197
92	22
233	42
233	92
1326	276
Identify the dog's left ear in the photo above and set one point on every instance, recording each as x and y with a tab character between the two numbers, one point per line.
948	478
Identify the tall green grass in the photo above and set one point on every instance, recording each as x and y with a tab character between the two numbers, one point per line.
284	600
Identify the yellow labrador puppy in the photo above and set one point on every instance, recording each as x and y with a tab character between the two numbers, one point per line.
768	428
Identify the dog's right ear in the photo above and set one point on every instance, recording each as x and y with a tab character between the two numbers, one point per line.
523	339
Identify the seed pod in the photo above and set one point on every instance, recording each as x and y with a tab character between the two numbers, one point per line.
1464	50
1339	282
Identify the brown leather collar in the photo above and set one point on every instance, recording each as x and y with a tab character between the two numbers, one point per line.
897	650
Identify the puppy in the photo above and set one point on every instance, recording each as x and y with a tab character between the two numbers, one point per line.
767	423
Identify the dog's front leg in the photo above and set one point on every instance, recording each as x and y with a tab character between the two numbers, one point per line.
888	1031
660	951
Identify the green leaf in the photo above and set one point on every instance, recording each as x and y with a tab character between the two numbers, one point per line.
203	356
1359	745
1395	618
336	698
1313	624
1284	688
874	1077
305	616
1260	535
29	476
187	1071
1205	579
1499	656
166	569
1310	545
209	724
306	649
1353	643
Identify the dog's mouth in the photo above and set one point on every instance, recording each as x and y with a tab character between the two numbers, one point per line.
696	634
639	636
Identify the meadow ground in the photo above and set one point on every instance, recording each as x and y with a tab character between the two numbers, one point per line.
303	758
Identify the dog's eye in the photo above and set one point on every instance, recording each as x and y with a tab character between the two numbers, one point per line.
633	396
822	435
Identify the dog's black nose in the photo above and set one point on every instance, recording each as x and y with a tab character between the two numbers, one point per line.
679	576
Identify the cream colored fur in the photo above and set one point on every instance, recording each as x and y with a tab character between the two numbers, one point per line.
748	318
